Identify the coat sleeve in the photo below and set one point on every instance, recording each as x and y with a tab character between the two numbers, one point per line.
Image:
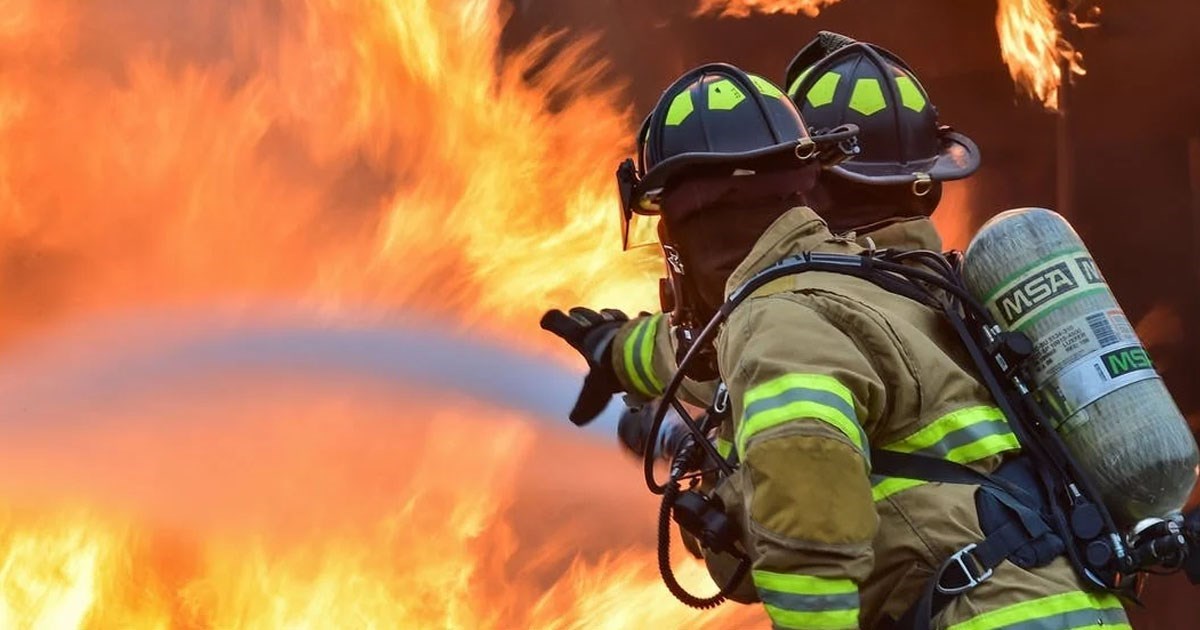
803	395
643	357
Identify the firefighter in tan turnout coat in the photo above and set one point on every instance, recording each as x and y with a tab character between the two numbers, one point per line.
821	367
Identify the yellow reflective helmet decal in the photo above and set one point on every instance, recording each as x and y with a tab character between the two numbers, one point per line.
795	86
867	98
910	94
823	90
766	87
681	107
724	95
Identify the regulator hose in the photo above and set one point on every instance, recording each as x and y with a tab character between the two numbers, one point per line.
670	493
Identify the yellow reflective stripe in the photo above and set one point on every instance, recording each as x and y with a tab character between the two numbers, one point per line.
799	409
986	447
803	584
796	396
893	485
963	436
795	411
806	620
933	433
724	447
629	350
1042	608
777	386
648	354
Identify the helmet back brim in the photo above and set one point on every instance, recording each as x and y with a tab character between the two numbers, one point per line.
958	157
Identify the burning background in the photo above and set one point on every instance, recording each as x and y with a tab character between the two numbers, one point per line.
270	272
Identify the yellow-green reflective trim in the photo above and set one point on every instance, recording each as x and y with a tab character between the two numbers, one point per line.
629	350
724	95
910	94
803	584
964	436
765	87
648	354
1038	609
988	446
867	97
724	447
792	411
800	396
823	90
681	107
938	429
795	86
777	386
804	620
893	485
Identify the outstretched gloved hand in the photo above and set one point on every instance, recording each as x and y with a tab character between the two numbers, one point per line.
591	334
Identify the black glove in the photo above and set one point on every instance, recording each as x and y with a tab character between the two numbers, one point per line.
590	333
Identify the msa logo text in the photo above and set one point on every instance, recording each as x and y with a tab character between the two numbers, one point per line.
1121	362
1035	291
1087	266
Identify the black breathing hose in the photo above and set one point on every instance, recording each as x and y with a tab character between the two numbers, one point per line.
669	394
664	560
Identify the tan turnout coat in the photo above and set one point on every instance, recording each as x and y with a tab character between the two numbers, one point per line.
820	367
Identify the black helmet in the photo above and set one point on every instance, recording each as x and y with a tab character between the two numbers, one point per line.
835	80
718	117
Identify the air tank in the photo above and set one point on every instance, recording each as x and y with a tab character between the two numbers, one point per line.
1090	370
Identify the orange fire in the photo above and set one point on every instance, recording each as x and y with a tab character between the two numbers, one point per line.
744	8
377	156
236	514
373	152
1031	43
1033	48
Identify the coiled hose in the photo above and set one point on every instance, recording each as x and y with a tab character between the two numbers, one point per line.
671	492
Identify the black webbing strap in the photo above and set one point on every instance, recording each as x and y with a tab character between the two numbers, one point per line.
973	564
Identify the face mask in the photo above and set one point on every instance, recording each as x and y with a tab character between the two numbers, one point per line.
714	222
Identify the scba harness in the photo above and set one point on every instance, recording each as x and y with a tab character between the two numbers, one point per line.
1036	507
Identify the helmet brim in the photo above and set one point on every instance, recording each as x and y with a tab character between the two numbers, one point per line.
794	153
958	157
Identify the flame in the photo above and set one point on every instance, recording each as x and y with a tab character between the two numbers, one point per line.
377	156
744	8
1031	43
1034	49
410	536
373	152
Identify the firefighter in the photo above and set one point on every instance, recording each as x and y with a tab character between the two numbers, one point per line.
823	367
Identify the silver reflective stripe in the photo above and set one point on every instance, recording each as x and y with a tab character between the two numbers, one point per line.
964	436
1089	618
809	603
799	394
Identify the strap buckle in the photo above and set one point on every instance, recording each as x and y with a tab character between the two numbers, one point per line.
970	579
